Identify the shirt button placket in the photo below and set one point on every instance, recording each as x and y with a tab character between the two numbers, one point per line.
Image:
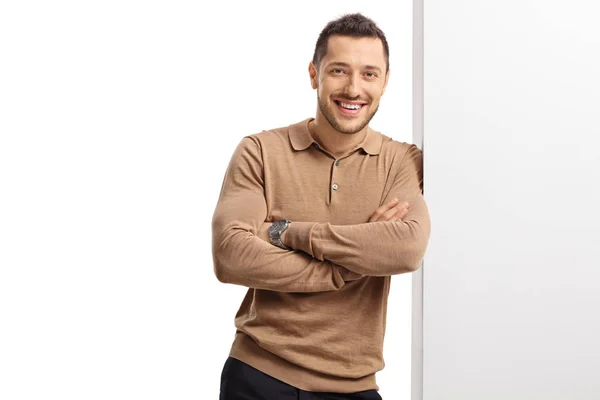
334	186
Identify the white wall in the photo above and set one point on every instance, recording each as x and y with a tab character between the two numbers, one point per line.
117	121
512	165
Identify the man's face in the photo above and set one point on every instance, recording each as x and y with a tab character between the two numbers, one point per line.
350	80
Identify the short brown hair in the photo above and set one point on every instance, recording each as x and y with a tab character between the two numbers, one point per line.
354	25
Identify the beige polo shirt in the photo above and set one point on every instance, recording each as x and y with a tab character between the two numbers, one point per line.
314	317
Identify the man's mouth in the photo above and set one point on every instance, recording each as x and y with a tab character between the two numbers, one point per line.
349	107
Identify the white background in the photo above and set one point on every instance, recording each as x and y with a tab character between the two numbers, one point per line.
117	121
512	165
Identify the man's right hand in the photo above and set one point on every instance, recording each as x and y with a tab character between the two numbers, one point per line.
393	210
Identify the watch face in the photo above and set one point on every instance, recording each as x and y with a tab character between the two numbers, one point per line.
278	226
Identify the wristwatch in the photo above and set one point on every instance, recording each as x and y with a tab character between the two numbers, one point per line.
276	230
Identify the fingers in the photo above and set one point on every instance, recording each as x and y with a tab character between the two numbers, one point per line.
399	216
391	213
393	210
378	213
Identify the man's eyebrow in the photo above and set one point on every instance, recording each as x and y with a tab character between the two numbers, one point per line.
373	68
342	64
338	64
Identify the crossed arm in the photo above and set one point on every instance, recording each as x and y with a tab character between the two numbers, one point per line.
330	255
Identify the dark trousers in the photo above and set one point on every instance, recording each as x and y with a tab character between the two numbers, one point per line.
240	381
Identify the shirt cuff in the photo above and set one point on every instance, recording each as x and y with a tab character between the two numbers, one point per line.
297	236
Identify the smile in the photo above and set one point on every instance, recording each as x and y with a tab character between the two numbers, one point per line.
349	108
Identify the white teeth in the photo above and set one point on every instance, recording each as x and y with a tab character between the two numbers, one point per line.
351	106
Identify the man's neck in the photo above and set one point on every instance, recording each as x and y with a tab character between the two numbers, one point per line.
333	141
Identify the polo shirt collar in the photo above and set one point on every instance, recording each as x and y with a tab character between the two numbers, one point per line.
300	135
301	138
372	143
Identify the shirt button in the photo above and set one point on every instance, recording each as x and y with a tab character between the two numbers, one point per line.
335	186
337	163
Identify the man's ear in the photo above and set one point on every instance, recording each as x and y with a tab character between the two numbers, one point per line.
387	77
312	71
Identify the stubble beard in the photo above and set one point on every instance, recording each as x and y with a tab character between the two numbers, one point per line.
337	125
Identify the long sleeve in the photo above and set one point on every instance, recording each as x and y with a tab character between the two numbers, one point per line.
378	248
240	256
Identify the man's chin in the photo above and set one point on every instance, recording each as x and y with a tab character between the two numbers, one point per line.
349	128
342	124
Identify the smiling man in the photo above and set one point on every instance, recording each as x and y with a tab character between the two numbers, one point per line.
314	218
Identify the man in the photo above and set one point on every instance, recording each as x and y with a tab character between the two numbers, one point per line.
314	218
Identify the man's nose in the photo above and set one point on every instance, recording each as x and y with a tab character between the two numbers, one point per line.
353	85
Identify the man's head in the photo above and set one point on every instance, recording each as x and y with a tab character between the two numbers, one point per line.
350	70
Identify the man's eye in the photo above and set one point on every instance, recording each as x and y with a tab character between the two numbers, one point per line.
337	71
371	75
